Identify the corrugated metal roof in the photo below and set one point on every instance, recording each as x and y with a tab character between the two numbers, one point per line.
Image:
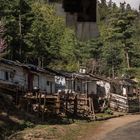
30	67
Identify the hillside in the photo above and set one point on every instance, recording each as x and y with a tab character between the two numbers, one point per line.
44	40
11	118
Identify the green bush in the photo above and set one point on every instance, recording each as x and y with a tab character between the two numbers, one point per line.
108	111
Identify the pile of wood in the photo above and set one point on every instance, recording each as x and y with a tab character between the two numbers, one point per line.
77	105
119	103
124	104
41	104
61	104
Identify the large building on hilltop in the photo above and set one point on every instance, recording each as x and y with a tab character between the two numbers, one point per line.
81	15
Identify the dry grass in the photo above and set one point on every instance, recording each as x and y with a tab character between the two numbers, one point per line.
74	131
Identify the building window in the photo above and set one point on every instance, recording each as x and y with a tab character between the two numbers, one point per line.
6	76
48	83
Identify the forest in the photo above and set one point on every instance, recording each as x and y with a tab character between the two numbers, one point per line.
32	32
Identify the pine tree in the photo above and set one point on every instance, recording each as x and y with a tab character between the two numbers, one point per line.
122	29
17	18
110	3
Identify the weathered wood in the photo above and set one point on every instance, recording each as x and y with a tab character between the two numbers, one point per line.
124	104
68	104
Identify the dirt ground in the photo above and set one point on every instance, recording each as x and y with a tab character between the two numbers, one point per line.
76	131
108	126
130	131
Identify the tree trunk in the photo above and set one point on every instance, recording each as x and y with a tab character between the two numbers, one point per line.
127	59
113	72
39	62
20	34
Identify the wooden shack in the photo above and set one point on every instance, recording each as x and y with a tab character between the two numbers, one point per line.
123	95
12	75
80	83
26	76
40	78
103	86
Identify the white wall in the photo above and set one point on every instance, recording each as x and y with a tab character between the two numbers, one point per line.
92	87
60	83
46	82
2	77
15	74
36	81
43	81
106	85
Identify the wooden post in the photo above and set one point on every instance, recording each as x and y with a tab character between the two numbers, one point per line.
58	105
92	109
75	105
17	96
36	97
72	85
44	108
67	97
86	92
27	105
39	104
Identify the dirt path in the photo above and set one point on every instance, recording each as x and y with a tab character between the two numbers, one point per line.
76	131
109	126
130	131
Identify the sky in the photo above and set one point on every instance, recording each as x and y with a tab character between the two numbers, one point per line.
134	3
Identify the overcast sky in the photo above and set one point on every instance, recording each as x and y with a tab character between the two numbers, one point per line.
134	3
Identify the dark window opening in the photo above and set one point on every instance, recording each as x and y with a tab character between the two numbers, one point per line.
48	83
71	6
88	11
6	76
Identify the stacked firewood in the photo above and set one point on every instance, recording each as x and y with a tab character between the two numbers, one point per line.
124	104
70	104
77	105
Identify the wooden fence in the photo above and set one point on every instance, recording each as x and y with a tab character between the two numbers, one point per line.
75	105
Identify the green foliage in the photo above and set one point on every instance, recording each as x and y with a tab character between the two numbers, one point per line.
45	34
133	72
108	111
67	59
112	58
95	48
17	17
35	34
119	32
25	124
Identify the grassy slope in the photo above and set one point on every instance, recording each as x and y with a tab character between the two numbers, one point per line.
75	131
11	119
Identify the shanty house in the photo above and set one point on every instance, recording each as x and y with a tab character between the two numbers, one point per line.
124	98
11	74
124	87
26	76
80	83
39	78
103	86
128	87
